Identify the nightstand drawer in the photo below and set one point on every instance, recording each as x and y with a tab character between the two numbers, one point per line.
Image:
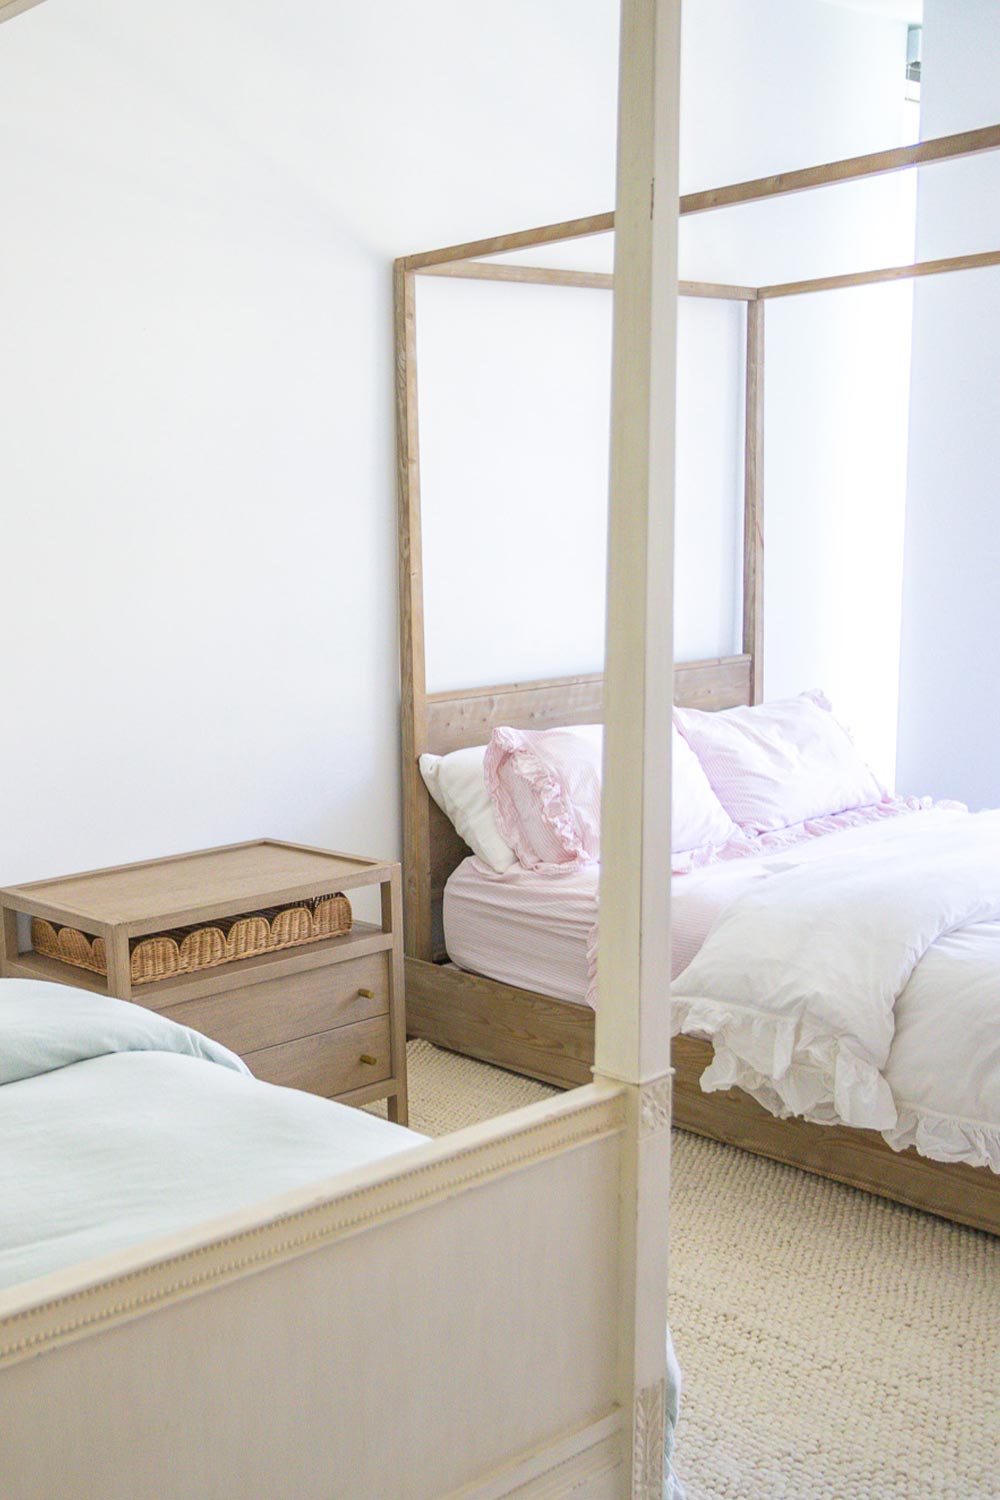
334	1062
257	1016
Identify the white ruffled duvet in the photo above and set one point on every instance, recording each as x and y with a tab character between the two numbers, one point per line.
861	984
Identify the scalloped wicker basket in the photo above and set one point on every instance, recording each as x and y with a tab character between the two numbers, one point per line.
186	950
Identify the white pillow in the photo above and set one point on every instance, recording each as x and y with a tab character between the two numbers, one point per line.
698	818
776	764
457	782
458	786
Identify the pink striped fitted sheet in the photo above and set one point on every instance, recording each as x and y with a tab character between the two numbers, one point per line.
537	931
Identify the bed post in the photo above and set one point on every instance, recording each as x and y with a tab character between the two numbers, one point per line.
633	1022
417	934
753	503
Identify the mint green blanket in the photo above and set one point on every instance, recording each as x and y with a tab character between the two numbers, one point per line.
117	1126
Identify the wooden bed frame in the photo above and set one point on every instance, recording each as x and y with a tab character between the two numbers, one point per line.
553	1039
536	1034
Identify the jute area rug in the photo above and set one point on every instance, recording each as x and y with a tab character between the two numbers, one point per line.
834	1347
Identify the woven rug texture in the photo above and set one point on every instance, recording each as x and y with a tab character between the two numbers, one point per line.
834	1347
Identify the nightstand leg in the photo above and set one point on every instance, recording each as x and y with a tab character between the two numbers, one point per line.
9	948
119	968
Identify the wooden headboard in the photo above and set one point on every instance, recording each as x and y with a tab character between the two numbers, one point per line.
441	722
455	720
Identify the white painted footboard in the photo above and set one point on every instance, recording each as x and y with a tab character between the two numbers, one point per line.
441	1324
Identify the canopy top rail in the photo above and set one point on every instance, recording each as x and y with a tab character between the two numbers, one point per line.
851	169
481	270
477	270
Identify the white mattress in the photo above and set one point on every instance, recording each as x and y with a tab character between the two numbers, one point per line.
538	932
526	929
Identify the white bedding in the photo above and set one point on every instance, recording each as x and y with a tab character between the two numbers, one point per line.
851	977
864	986
539	931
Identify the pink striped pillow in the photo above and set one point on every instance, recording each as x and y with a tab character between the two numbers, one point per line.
545	786
780	763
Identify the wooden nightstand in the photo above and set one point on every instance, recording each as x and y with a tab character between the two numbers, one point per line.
327	1016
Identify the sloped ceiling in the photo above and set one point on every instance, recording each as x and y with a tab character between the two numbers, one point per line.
899	10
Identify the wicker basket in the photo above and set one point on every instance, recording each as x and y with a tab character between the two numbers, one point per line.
186	950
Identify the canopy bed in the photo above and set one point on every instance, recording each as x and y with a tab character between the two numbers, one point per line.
532	1027
506	1283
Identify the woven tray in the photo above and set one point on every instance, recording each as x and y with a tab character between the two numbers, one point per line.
185	950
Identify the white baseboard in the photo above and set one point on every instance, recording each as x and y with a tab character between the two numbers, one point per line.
583	1464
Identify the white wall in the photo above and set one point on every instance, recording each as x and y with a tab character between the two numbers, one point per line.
951	617
514	394
200	204
793	84
514	399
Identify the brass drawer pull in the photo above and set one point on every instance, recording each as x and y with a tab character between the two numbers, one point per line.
367	1058
366	994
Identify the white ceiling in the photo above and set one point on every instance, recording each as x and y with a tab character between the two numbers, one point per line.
899	10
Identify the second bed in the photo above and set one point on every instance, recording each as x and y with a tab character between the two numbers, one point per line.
894	913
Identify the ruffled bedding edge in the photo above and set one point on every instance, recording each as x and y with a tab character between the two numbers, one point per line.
946	1138
936	1136
825	1084
788	1072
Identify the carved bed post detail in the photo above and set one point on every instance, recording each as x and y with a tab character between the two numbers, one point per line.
633	1021
649	1434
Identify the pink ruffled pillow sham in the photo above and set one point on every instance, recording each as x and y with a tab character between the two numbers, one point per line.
777	764
545	786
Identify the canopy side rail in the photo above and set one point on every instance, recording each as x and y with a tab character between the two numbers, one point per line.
851	169
484	270
887	273
523	239
481	270
474	270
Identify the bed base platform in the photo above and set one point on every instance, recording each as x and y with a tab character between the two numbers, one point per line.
859	1158
553	1040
